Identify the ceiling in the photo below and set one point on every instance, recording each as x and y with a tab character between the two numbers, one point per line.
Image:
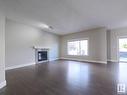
68	16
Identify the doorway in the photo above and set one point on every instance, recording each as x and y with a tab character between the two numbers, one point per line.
123	49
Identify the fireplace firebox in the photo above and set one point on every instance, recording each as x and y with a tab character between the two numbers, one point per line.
42	55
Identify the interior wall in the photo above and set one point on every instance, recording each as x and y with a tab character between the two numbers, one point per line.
21	38
115	34
2	50
108	45
97	45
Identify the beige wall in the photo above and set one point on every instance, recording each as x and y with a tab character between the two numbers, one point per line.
114	35
97	45
20	39
2	50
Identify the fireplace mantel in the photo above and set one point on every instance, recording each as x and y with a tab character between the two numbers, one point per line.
43	48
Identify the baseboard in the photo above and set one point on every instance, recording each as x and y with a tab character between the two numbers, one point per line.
92	61
54	59
23	65
3	84
115	61
18	66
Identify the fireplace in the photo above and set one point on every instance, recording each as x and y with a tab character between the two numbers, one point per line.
41	55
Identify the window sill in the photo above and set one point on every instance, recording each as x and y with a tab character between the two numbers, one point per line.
79	55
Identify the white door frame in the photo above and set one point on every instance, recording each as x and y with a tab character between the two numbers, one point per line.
119	37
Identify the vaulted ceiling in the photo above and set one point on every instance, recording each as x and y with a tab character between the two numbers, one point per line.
68	16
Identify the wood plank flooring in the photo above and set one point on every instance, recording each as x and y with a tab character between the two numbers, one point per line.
65	77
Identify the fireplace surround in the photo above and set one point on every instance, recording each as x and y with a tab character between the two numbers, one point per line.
41	54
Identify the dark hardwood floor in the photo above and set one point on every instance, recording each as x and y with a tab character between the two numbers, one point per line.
64	77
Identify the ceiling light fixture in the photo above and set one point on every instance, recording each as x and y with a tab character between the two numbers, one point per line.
45	26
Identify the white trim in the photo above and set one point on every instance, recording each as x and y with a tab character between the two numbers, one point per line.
92	61
23	65
54	59
119	37
36	55
18	66
78	39
2	84
113	60
39	47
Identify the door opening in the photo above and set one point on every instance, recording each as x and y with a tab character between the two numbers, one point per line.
122	49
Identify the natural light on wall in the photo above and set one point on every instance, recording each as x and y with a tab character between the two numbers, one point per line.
77	47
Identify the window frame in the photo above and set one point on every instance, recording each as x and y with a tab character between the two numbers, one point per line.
71	40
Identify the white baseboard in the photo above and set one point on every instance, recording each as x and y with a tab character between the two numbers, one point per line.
54	59
113	60
18	66
92	61
3	84
23	65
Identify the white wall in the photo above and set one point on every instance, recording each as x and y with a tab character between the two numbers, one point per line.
114	35
108	45
97	45
20	39
2	50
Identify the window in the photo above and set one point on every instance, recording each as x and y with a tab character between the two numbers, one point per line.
78	47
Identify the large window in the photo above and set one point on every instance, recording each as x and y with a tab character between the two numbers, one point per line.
78	47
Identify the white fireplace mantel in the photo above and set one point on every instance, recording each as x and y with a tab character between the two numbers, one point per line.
39	47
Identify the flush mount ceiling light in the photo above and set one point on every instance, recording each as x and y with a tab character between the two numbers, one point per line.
45	26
